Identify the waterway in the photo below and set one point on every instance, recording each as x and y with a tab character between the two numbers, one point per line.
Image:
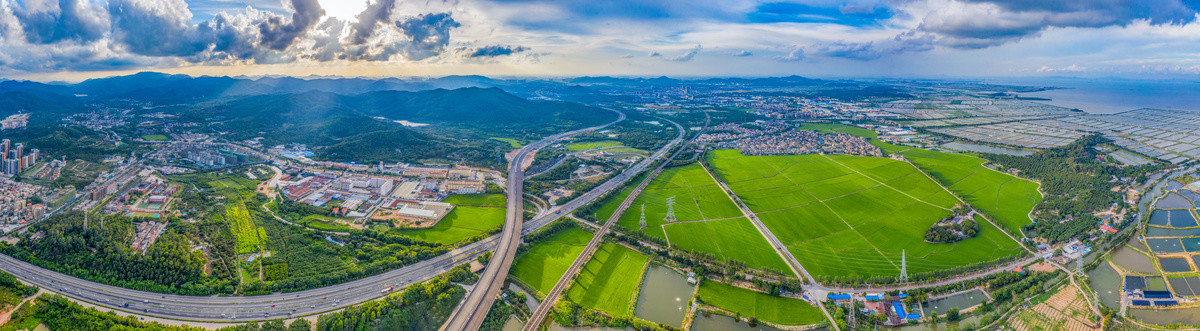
556	327
980	148
664	296
718	322
973	320
1107	282
961	301
530	301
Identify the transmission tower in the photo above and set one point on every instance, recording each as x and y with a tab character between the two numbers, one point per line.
642	221
670	210
850	313
903	268
1079	264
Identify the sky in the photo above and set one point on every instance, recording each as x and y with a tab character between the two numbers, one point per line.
70	40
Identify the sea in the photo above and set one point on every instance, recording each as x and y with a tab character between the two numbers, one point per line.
1113	95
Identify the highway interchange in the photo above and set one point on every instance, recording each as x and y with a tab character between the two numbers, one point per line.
334	297
543	308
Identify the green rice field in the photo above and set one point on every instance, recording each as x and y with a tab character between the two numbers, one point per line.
1005	198
765	307
609	281
851	215
544	263
729	239
511	142
591	144
477	200
697	197
702	212
462	223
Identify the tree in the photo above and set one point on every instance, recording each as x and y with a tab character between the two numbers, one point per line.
300	324
952	314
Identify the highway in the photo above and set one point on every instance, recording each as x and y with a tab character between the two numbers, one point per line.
280	305
334	297
469	315
543	308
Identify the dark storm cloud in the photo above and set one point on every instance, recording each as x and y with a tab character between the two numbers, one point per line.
48	21
977	24
376	15
278	34
493	51
991	23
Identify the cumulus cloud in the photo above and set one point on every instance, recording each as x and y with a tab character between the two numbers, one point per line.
426	35
492	51
49	21
377	14
278	34
743	53
654	54
1070	68
688	55
51	35
795	55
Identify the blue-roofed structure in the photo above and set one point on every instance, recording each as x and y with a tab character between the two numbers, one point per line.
902	295
913	316
1162	303
1140	302
898	308
1157	294
874	297
838	296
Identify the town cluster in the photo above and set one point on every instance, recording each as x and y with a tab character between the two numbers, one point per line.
407	195
776	137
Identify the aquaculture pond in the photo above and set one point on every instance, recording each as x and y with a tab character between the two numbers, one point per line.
1107	282
664	296
1133	260
961	301
718	322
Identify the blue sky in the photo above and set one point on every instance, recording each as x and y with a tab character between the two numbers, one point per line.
75	39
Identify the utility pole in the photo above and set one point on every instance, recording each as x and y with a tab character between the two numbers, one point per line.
903	268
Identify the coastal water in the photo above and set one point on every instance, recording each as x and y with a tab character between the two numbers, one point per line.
664	296
1109	95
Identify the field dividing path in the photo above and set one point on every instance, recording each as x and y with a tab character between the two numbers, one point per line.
964	202
543	309
780	249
